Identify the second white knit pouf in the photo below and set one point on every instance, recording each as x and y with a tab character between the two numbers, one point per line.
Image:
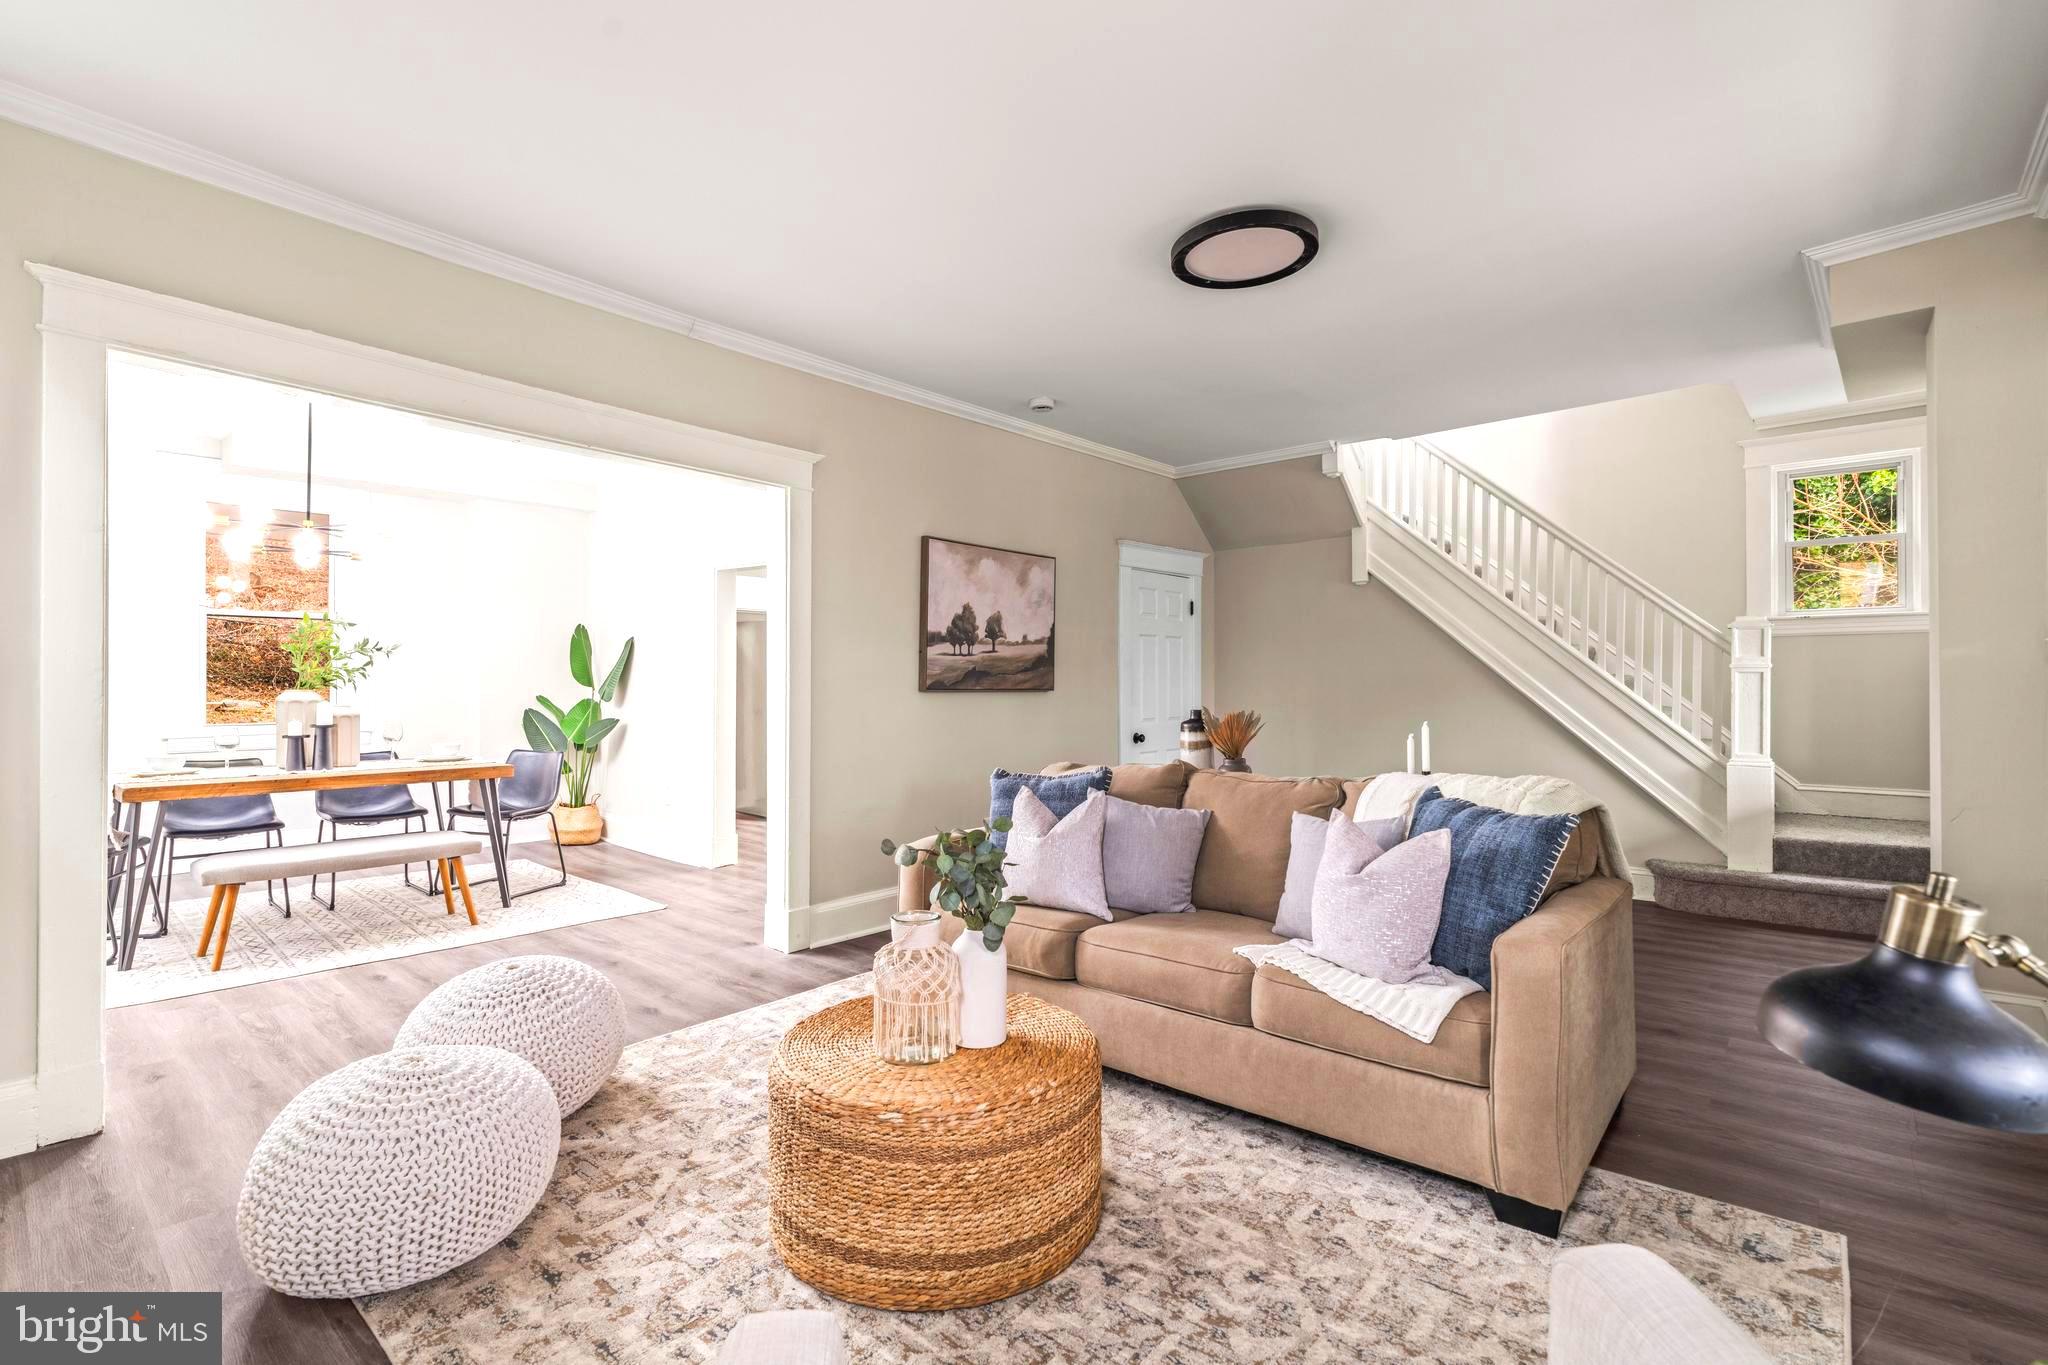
396	1169
562	1015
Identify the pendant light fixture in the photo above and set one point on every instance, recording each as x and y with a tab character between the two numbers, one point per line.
307	546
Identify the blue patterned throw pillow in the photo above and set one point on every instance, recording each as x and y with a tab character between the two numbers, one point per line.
1060	794
1499	866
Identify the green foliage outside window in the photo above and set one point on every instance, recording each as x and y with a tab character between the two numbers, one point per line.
1845	539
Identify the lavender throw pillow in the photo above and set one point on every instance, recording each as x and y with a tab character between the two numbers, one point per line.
1376	913
1148	856
1057	862
1305	855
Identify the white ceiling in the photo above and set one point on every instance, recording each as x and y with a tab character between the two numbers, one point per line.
1524	206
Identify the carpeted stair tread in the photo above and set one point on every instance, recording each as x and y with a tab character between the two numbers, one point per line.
1852	847
1801	900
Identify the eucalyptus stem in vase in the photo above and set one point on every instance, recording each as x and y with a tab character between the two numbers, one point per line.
966	868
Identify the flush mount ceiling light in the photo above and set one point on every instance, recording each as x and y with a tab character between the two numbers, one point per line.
1246	248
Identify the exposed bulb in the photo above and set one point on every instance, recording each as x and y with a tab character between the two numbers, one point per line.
306	548
238	544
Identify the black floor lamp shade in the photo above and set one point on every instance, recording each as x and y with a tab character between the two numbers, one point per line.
1908	1022
1916	1032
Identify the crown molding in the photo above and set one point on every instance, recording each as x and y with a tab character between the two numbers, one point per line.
1834	412
2030	198
1195	471
19	104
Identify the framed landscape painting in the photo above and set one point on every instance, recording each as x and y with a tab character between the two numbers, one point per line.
986	622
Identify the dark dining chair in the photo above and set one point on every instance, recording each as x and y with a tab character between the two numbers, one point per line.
117	843
353	807
526	795
222	817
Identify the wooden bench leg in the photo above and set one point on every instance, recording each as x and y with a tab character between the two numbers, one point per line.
462	880
227	922
447	884
212	912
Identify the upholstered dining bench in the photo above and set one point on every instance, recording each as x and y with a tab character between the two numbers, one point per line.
228	873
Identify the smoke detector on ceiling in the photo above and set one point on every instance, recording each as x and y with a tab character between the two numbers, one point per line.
1042	404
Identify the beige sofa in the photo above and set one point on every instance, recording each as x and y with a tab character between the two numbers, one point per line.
1514	1093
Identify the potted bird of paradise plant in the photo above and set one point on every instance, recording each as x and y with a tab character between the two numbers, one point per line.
575	732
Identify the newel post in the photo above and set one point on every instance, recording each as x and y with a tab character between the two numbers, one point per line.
1752	774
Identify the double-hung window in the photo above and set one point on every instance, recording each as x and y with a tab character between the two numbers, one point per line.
1846	537
1837	528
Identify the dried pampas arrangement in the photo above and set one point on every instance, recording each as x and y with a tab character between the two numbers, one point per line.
1233	731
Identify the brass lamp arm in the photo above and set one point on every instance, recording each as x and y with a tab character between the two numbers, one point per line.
2006	950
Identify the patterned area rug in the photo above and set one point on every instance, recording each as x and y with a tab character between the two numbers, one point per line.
1223	1238
374	918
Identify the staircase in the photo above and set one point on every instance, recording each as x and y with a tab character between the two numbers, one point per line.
1679	704
1830	872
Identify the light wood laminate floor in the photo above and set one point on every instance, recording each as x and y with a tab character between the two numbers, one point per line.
1947	1225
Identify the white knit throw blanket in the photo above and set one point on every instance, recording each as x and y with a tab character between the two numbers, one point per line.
1393	795
1417	1009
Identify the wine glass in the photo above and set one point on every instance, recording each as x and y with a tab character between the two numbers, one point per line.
393	730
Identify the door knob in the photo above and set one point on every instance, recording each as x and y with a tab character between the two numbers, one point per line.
1137	739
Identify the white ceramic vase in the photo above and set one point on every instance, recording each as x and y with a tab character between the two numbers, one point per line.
984	991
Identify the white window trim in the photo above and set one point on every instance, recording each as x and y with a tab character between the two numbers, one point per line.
1774	461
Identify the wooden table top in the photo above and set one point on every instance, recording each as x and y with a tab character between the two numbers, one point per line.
197	782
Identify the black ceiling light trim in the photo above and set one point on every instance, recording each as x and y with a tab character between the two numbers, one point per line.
1286	220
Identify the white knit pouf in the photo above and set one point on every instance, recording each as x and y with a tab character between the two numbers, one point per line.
562	1015
397	1168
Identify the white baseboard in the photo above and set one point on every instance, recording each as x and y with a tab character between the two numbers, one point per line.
835	921
1876	803
2031	1010
36	1111
18	1116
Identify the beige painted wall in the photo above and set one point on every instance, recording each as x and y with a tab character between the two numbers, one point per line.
1677	453
1654	483
1342	673
1987	410
1851	710
887	760
1269	504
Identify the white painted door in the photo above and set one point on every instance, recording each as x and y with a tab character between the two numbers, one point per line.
1160	658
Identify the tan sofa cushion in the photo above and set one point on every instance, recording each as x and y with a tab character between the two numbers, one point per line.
1146	784
1354	787
1580	859
1041	941
1288	1007
1184	962
1244	854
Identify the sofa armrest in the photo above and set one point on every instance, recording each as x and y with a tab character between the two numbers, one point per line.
1564	1037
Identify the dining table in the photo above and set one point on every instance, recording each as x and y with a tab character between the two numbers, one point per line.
133	791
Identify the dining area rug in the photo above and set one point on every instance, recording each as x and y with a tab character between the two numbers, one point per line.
1224	1237
374	918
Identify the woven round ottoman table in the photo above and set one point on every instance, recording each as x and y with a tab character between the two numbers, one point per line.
940	1186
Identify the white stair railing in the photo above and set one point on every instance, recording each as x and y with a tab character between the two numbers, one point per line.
1664	659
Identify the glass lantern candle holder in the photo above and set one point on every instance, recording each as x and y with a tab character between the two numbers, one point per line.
917	992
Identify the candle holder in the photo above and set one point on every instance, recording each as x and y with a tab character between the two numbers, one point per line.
292	751
323	745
